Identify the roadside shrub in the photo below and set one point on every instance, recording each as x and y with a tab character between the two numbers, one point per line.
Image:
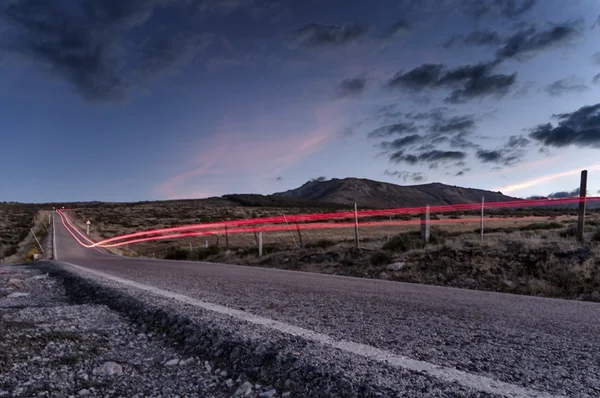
381	257
404	242
206	252
177	253
320	244
541	226
596	235
30	254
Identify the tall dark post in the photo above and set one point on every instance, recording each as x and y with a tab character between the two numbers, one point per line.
425	225
581	214
356	240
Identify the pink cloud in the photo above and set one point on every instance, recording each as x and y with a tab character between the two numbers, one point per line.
264	155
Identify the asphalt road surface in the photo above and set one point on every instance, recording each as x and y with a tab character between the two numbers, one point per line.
536	345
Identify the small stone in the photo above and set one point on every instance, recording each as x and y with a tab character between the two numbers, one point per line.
84	392
108	369
257	386
286	394
186	361
244	390
17	295
268	394
595	296
15	282
229	383
223	373
396	266
172	362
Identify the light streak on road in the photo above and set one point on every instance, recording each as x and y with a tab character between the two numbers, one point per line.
333	216
257	224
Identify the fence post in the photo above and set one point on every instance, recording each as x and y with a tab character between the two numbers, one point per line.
581	213
425	225
291	233
260	244
356	241
299	236
226	238
481	221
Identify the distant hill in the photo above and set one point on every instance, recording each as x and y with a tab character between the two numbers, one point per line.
375	194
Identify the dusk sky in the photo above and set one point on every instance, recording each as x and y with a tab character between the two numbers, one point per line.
126	100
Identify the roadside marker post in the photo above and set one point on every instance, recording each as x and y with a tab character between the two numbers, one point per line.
581	212
356	240
481	222
260	244
425	225
88	227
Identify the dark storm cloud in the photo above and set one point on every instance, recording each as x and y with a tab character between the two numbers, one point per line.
517	141
86	44
530	40
476	38
596	79
571	84
462	172
319	179
427	157
453	124
466	82
564	194
405	175
397	128
401	143
396	28
502	8
579	128
510	153
496	85
489	156
351	87
317	35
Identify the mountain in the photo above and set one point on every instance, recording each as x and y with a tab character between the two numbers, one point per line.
375	194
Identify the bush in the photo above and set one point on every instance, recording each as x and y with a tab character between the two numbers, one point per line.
320	244
405	242
177	253
541	226
30	254
381	257
206	252
596	235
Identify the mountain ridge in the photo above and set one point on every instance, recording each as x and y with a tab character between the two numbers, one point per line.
377	194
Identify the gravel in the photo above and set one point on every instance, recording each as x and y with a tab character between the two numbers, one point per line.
285	365
52	347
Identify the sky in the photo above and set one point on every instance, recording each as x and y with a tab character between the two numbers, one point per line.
128	100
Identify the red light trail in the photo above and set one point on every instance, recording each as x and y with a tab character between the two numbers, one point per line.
255	223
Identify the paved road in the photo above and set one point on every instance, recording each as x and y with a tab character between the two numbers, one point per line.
546	345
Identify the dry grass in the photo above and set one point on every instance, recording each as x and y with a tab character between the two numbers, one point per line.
16	220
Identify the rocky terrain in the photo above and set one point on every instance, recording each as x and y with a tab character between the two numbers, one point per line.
51	347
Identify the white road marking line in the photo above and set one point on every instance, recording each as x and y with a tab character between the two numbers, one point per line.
452	375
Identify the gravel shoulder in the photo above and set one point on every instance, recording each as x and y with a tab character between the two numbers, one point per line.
51	346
